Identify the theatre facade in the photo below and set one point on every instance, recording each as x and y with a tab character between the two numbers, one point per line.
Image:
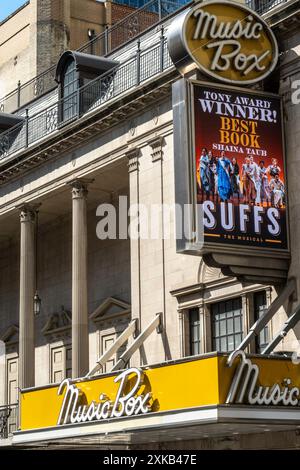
149	238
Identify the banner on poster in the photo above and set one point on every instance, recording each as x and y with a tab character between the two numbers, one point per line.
239	167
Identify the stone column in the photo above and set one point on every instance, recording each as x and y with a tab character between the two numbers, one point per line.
80	334
27	291
133	156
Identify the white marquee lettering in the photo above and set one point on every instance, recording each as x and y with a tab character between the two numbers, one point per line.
230	34
245	388
124	404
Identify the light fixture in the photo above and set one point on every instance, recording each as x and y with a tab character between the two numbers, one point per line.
91	33
36	304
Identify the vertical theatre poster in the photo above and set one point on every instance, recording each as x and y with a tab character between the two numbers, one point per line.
239	165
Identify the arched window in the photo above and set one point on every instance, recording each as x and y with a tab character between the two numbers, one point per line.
69	86
74	70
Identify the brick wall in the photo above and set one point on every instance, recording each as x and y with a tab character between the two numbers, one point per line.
53	31
136	24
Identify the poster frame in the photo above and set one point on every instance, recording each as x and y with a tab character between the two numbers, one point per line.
185	171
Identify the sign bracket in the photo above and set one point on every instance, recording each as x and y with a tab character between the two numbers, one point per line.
130	330
289	290
288	325
155	324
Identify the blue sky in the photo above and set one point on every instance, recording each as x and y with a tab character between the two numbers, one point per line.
8	6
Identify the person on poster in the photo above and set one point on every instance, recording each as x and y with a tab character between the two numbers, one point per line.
213	173
277	188
256	180
204	171
224	170
248	181
235	177
264	183
274	169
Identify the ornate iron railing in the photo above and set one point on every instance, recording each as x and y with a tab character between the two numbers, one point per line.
262	6
8	420
103	44
144	65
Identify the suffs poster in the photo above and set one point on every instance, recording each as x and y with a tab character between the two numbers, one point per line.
240	167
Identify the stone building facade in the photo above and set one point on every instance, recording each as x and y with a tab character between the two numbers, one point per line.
35	35
91	289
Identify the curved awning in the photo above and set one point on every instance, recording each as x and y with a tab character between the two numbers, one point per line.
9	120
87	63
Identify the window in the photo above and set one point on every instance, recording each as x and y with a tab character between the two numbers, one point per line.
69	91
260	305
227	325
61	363
195	331
12	391
79	89
106	342
12	380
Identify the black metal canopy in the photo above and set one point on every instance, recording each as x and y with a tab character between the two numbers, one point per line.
9	120
88	64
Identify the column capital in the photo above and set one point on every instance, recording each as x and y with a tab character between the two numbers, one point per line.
133	156
201	308
180	313
79	187
28	212
157	144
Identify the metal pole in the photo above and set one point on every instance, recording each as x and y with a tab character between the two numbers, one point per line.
138	63
137	343
289	289
288	325
79	96
159	10
131	328
162	45
19	94
106	40
26	127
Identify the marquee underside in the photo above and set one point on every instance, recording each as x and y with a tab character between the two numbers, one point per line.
199	423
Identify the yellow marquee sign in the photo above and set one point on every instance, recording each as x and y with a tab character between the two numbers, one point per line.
188	384
226	40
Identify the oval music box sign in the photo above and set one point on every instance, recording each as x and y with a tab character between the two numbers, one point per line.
225	40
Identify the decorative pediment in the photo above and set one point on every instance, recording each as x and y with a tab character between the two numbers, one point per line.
207	274
11	335
58	324
109	309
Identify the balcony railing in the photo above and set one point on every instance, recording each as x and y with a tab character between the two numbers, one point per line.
103	44
8	420
144	65
262	6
